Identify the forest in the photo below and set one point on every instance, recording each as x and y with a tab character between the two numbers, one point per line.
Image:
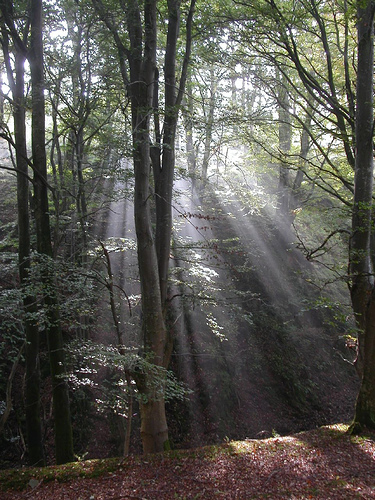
186	231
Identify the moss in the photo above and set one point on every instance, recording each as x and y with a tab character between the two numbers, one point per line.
19	479
301	443
167	445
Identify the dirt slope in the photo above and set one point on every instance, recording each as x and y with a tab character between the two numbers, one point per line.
323	464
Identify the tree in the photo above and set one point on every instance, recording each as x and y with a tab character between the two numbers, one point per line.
311	49
81	103
209	122
361	270
138	64
285	140
348	117
32	376
63	429
29	46
188	111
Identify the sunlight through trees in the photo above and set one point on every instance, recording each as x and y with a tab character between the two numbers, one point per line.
186	236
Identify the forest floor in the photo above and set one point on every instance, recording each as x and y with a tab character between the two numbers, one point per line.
325	463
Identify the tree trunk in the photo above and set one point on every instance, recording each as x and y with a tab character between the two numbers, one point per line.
304	151
164	177
362	286
154	331
154	428
1	94
209	125
190	149
63	430
365	406
32	374
285	137
153	253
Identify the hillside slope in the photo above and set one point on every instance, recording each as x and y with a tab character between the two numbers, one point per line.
277	361
323	464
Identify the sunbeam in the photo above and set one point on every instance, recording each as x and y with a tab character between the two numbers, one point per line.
242	306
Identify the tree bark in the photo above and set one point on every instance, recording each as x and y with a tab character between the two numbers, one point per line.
362	286
165	175
209	125
285	138
154	431
153	252
295	198
154	428
63	429
34	434
188	122
32	376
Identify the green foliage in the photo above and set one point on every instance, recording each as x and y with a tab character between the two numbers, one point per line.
322	233
74	286
241	61
124	367
11	317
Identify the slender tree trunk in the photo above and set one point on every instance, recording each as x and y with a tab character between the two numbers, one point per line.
81	97
304	151
305	147
1	94
209	125
188	121
164	176
362	287
56	165
32	375
63	430
154	430
153	253
81	195
285	137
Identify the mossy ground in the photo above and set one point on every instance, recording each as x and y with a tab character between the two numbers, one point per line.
276	454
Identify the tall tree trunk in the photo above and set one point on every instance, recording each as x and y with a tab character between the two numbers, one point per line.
158	340
1	94
81	102
154	430
63	429
285	138
304	151
32	374
188	122
164	176
81	195
209	125
362	287
153	253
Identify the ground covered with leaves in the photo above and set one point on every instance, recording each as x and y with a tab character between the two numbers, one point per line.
324	464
